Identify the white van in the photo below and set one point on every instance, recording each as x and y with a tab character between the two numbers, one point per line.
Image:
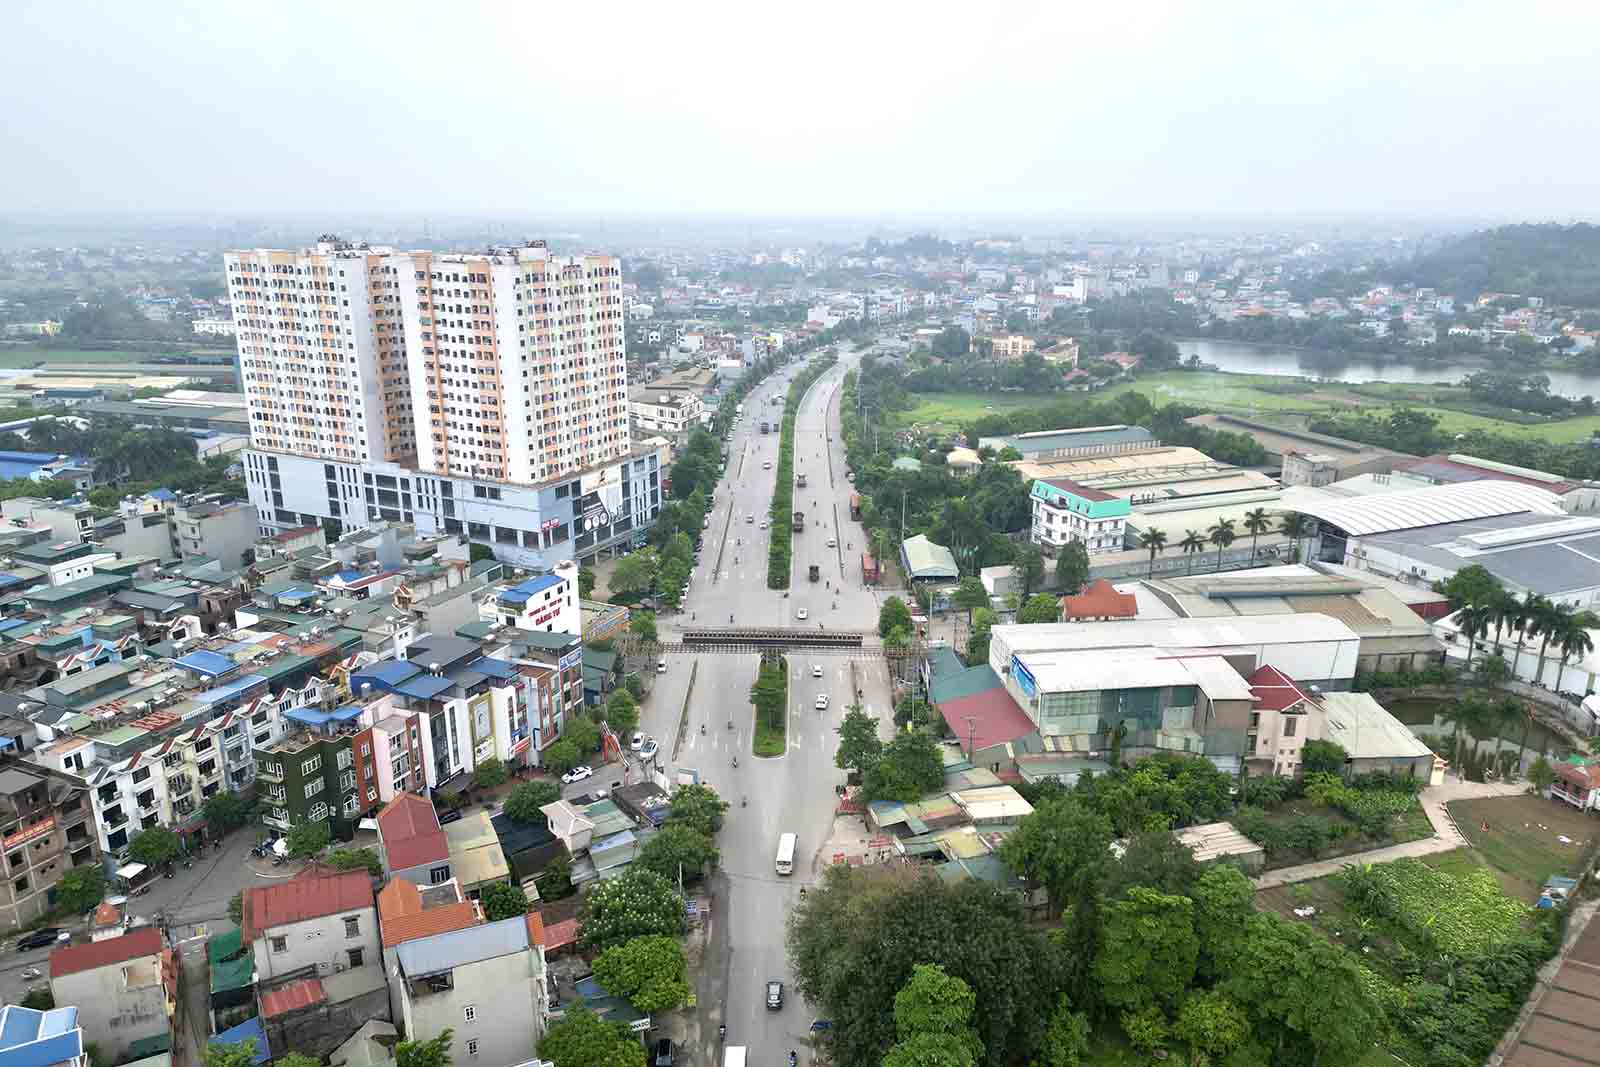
786	846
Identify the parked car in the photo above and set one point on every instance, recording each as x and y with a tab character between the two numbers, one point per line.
774	994
649	750
816	670
577	774
801	614
637	741
42	937
833	542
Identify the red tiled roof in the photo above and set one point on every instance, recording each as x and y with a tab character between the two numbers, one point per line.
1083	492
402	917
994	719
144	941
1275	690
408	827
1100	601
309	895
301	994
560	935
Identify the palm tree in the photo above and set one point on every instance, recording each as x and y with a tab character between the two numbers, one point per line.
1576	642
1552	625
1192	543
1154	541
1293	527
1529	610
1222	535
1507	612
1461	716
1473	622
1256	523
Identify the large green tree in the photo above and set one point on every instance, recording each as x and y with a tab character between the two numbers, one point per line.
503	901
697	807
1041	607
909	769
933	1021
635	904
308	839
81	888
429	1052
893	615
1148	950
226	811
855	939
622	713
1062	845
156	847
526	798
580	1038
634	573
678	848
860	747
648	972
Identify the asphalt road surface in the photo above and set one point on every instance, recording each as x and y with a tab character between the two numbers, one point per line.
794	792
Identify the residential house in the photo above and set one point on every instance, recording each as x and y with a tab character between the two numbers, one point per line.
1100	601
476	859
1283	718
1065	511
407	911
486	983
46	829
410	842
125	989
309	776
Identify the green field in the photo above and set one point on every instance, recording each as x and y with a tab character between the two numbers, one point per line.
1254	395
1521	837
32	355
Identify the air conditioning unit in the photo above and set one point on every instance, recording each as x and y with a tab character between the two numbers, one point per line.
338	968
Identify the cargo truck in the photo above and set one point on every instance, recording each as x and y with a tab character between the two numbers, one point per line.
764	426
798	525
855	506
815	573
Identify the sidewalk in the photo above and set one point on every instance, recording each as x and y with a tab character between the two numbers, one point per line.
1445	835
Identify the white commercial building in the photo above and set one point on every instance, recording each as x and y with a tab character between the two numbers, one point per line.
658	412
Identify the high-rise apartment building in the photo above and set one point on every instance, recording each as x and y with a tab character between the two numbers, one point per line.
479	393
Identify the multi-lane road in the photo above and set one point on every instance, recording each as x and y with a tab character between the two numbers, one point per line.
794	792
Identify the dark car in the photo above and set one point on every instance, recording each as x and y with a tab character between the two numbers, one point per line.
774	994
40	938
663	1054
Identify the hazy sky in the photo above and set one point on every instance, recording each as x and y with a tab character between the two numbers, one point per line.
816	108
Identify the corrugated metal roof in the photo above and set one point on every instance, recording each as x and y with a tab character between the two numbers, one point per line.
1433	506
443	952
924	559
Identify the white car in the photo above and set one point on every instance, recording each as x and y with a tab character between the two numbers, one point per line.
650	749
833	542
816	670
801	614
638	741
577	774
766	465
763	525
822	701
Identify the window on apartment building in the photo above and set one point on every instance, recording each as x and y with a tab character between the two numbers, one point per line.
357	956
470	1013
472	1046
344	758
314	787
372	794
311	766
352	926
318	813
16	859
280	944
1255	719
439	875
1290	723
171	760
141	774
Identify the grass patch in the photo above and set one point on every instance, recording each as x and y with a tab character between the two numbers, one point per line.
770	701
769	742
957	409
1519	838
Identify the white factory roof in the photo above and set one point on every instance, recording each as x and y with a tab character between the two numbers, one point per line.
1366	730
1174	633
1093	670
1432	506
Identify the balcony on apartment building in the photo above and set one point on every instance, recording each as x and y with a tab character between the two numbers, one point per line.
426	985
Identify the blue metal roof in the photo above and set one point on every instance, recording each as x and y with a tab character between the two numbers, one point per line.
424	686
494	668
229	689
209	664
294	596
443	952
385	675
522	592
349	574
162	495
318	717
30	1038
238	1035
9	580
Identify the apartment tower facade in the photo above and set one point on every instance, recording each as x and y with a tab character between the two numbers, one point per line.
476	393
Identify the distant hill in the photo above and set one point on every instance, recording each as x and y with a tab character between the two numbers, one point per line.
1559	263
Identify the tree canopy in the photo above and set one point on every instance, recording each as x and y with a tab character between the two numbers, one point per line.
526	798
580	1038
648	972
635	904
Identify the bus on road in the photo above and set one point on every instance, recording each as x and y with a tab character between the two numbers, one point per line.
786	845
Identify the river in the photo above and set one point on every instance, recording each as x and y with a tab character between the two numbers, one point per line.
1239	357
